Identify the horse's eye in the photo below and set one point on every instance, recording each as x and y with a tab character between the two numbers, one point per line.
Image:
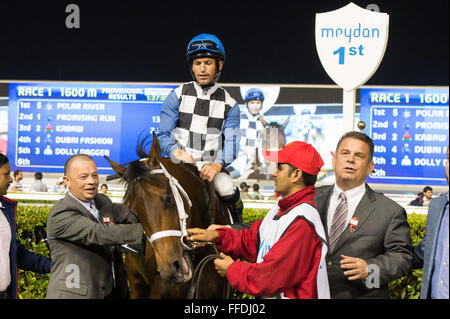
167	201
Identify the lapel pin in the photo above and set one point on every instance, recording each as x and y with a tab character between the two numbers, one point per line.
353	223
106	220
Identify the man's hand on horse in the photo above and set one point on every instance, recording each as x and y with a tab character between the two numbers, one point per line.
222	264
209	171
202	235
215	226
183	156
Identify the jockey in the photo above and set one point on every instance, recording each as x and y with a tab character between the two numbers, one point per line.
252	124
199	119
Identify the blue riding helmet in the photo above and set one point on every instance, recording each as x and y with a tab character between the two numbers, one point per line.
254	94
205	45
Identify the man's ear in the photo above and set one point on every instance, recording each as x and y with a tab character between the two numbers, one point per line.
370	170
333	160
220	65
66	180
297	175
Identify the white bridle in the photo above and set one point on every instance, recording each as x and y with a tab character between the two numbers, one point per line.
176	189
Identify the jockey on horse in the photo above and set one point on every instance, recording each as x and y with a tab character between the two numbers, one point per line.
200	120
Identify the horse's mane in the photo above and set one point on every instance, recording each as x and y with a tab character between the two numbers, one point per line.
137	171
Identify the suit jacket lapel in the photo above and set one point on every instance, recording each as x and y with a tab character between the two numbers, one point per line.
81	208
365	207
322	200
439	208
104	210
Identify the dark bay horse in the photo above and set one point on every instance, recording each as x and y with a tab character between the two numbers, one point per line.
168	198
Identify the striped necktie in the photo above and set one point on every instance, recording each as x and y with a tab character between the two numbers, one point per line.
339	221
94	210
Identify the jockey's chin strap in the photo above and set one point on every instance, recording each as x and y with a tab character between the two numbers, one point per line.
176	189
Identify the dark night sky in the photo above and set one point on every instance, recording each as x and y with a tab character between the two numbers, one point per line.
266	41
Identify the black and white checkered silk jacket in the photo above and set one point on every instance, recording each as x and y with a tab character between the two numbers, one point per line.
250	129
201	118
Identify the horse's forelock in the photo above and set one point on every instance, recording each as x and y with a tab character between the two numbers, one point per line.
135	173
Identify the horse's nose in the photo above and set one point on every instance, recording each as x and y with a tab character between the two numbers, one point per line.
180	270
177	268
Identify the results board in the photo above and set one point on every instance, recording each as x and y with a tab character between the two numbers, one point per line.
49	122
409	128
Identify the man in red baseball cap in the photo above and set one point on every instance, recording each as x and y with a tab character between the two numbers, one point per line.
287	248
296	157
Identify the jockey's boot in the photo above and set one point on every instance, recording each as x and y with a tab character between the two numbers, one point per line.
235	205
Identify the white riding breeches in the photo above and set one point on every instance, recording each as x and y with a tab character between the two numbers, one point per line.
223	184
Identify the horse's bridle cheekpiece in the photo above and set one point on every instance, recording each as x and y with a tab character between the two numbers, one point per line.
176	189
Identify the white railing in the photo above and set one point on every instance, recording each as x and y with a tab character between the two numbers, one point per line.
402	200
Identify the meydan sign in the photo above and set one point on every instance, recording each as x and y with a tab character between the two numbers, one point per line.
351	42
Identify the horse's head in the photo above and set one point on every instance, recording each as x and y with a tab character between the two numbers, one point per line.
150	195
272	137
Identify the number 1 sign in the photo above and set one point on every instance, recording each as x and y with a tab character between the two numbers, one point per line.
351	42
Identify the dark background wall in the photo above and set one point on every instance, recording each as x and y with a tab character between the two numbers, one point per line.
265	41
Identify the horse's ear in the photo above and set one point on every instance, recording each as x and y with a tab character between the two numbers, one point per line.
285	123
263	121
119	169
155	150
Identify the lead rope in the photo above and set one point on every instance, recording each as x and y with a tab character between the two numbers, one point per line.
195	281
193	289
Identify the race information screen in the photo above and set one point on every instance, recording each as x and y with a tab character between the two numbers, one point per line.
409	128
49	122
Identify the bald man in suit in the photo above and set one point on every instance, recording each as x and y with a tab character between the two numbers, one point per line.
84	230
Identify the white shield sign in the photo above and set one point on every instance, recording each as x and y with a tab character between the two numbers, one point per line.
351	42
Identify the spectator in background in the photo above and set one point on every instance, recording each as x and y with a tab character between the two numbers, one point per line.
16	185
60	187
427	193
38	185
104	189
418	201
256	194
244	191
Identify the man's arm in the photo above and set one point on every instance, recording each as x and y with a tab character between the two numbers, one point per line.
75	227
123	214
28	260
397	258
419	253
231	141
241	226
287	264
168	122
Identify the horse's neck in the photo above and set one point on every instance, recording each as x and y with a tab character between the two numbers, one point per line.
191	168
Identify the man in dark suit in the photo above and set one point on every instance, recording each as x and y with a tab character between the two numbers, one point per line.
372	246
83	230
13	254
367	233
